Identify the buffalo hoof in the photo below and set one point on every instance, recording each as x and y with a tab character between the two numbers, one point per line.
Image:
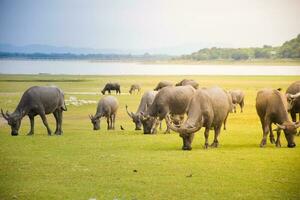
30	134
263	143
291	145
278	145
186	148
58	133
214	145
272	140
206	146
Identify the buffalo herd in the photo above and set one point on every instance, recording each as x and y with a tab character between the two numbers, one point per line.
184	106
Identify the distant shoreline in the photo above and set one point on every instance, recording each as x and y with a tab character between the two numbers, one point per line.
261	62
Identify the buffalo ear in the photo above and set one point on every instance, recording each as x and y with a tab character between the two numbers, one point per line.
91	116
280	127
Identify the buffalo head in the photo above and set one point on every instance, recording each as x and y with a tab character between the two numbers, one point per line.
291	99
186	131
289	129
13	120
136	118
95	121
149	124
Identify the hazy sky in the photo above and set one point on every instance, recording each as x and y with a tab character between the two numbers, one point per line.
145	24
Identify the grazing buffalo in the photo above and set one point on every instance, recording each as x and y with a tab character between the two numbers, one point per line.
38	100
145	103
209	108
293	97
188	82
237	98
169	100
135	87
111	86
107	107
162	84
271	107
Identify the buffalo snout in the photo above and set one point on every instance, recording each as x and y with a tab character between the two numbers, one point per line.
292	145
14	133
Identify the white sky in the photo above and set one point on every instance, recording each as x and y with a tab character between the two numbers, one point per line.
147	24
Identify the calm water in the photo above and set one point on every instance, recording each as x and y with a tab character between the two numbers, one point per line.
107	68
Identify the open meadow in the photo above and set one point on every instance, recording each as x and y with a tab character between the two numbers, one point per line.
126	164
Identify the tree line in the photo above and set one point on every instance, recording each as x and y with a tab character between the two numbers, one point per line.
289	49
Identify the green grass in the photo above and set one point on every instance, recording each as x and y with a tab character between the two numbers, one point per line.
84	164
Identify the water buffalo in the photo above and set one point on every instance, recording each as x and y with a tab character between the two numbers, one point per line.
111	86
169	100
107	107
209	108
271	107
145	103
162	84
135	87
38	100
237	98
293	97
188	82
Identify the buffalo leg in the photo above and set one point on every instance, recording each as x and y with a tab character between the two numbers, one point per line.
217	133
111	122
107	120
272	140
31	132
299	120
278	144
242	105
225	120
206	134
167	130
266	130
293	115
58	117
114	120
43	116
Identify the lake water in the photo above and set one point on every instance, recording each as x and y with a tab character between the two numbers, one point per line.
124	68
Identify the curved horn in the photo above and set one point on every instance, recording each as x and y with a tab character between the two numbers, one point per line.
297	125
181	129
280	126
91	116
129	114
293	96
5	116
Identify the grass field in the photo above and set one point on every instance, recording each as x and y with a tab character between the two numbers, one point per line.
87	164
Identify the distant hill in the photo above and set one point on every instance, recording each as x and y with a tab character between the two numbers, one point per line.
290	49
48	49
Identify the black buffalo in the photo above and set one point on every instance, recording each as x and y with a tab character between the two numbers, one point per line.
111	86
41	101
